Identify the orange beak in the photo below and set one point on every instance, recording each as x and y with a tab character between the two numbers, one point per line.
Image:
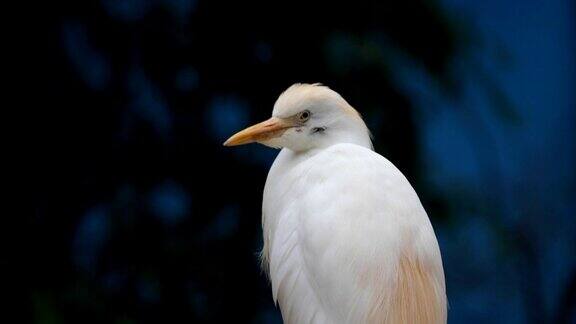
263	131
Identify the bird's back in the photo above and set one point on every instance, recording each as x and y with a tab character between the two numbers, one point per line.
348	241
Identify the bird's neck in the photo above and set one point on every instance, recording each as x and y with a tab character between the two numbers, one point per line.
360	137
354	132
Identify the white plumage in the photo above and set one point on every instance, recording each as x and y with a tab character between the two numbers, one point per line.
346	239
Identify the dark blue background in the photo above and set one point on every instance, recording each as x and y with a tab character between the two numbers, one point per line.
141	216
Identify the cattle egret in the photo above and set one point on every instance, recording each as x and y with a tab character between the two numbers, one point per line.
346	239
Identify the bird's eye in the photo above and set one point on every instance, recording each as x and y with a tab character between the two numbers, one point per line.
304	115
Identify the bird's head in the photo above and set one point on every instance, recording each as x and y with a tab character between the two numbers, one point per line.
307	116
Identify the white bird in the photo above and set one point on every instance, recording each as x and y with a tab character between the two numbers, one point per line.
346	239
